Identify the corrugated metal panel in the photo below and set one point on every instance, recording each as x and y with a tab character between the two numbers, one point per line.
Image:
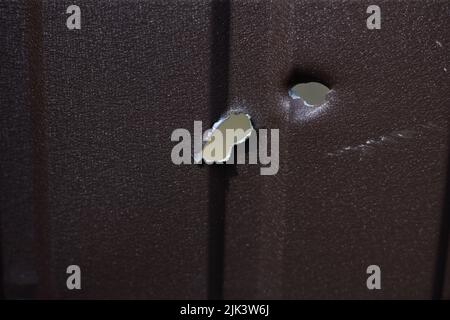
87	177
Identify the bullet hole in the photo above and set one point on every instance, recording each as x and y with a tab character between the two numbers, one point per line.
313	94
224	135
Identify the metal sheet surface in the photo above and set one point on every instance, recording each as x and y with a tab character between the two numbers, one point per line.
87	178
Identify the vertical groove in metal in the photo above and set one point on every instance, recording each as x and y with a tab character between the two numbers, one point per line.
442	265
218	174
39	121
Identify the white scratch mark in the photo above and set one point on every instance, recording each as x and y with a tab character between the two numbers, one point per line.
393	137
432	126
371	143
439	43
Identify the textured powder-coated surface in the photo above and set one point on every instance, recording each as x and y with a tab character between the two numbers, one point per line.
87	178
17	254
362	181
115	204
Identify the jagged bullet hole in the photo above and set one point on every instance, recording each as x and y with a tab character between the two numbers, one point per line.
219	144
313	94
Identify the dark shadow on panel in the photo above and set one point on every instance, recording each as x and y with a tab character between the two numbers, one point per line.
441	262
218	174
